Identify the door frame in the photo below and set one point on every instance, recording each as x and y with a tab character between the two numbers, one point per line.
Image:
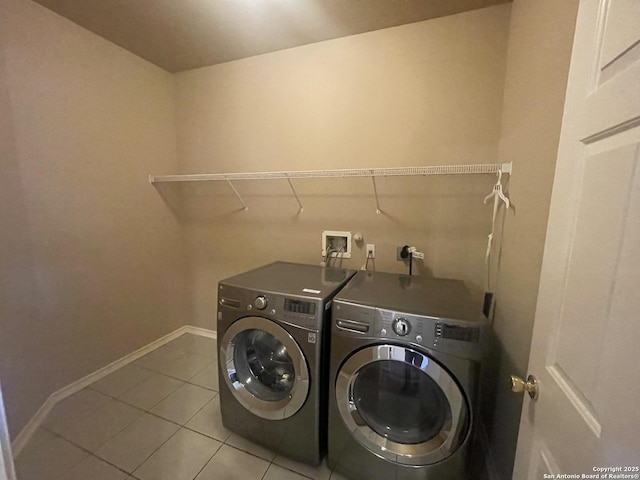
7	469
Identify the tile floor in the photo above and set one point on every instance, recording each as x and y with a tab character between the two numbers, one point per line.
157	418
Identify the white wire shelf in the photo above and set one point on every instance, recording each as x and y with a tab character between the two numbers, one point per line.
363	172
373	173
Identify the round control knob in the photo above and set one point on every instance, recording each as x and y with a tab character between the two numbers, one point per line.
418	338
401	326
260	302
383	331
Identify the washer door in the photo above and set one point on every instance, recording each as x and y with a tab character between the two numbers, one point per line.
264	368
401	405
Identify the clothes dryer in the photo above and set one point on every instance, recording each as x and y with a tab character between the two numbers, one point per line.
405	359
271	355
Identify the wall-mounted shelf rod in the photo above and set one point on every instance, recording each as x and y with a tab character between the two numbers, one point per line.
364	172
483	168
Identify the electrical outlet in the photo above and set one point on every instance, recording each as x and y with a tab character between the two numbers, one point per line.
371	250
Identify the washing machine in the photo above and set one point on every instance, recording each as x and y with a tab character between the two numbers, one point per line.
406	354
271	355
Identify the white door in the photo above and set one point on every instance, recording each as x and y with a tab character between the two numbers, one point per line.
586	341
7	471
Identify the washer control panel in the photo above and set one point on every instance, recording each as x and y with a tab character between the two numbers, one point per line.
299	306
401	326
299	311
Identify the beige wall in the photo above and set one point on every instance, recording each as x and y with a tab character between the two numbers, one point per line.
18	319
541	36
428	93
92	260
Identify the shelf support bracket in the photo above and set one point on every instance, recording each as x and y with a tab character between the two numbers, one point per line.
506	167
295	194
375	191
244	205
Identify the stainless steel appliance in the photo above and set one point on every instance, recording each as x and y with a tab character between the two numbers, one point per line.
271	355
405	358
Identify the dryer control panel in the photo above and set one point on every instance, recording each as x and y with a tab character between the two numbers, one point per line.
446	331
456	337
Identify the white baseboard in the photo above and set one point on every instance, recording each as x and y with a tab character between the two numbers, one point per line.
203	332
25	434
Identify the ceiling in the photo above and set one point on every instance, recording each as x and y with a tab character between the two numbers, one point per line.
185	34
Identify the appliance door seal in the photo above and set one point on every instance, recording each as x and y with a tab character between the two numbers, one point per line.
264	368
401	405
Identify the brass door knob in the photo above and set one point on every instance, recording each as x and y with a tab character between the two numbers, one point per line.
530	386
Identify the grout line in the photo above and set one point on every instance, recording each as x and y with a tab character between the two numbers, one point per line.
25	434
151	454
109	395
80	447
93	454
180	426
180	379
290	470
208	461
244	451
109	369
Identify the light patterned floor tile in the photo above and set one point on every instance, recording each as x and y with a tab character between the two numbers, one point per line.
93	468
207	377
151	392
184	403
231	464
337	476
129	448
48	459
278	473
181	458
123	379
65	413
196	344
248	446
152	448
208	421
321	472
94	429
161	358
185	367
40	435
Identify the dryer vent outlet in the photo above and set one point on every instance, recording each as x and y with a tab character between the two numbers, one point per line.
402	253
336	244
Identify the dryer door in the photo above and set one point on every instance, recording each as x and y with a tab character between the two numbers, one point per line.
264	368
401	405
